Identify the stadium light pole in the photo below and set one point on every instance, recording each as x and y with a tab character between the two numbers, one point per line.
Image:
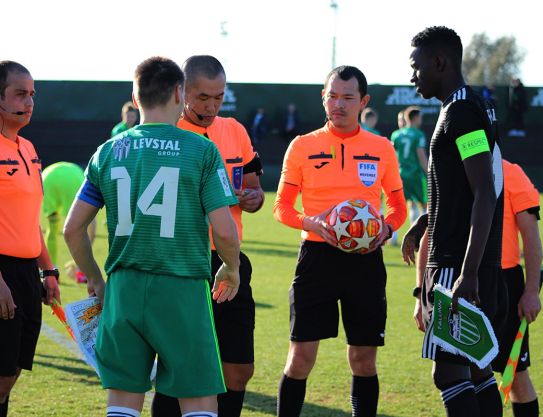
334	7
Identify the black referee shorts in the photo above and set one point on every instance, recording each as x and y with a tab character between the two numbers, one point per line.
492	294
325	275
235	320
514	281
19	336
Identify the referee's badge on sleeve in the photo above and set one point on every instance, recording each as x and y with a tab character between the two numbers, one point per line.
367	172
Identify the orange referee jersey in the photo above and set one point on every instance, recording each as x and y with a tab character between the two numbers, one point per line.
519	195
21	192
328	169
234	146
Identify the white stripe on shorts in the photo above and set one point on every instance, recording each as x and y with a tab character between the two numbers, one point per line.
446	276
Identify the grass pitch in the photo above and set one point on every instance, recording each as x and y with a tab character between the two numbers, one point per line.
61	385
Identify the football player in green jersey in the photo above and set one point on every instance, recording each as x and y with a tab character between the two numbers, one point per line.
61	181
410	145
161	187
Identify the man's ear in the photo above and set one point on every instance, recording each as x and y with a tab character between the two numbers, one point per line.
134	101
364	101
440	62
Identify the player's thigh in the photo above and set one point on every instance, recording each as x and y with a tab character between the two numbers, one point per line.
314	293
124	355
363	299
235	319
179	324
19	336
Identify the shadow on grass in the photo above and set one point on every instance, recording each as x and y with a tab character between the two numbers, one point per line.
81	369
267	404
264	305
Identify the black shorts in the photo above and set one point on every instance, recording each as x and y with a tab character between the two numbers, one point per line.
19	336
235	320
514	281
492	294
325	275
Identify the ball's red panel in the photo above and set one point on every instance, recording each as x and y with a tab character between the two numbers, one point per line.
347	213
356	228
373	227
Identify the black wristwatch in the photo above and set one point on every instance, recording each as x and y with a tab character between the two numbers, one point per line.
417	291
50	273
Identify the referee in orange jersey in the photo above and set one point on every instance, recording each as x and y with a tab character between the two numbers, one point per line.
22	249
205	83
340	161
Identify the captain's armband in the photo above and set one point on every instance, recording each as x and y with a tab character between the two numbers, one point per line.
472	144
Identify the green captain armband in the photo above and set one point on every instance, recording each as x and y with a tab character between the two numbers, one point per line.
472	143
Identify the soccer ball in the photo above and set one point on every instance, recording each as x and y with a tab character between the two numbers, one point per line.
356	225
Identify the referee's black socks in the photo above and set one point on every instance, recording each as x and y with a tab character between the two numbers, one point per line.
230	403
364	395
4	408
530	409
290	398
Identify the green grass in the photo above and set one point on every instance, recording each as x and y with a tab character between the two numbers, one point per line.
61	385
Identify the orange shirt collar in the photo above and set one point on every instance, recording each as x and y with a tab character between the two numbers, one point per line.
186	125
9	142
342	135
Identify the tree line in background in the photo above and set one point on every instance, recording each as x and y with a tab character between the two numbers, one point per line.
492	62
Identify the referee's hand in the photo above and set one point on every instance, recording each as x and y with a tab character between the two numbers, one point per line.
7	306
52	291
226	284
318	224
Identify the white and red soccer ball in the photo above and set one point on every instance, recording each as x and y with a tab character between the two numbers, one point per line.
356	224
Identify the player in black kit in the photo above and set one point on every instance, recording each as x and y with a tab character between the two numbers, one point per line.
465	209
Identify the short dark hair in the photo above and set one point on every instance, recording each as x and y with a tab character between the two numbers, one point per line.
439	37
205	65
369	112
7	67
346	72
412	112
156	78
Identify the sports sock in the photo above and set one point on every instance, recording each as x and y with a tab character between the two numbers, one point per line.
364	395
459	399
230	403
291	396
199	414
165	406
530	409
4	408
488	396
114	411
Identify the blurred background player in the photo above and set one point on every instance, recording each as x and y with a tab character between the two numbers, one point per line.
337	162
521	213
369	118
401	120
22	247
410	145
465	215
157	297
61	181
129	118
205	82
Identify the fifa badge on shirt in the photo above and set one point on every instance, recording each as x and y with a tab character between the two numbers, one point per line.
367	172
237	177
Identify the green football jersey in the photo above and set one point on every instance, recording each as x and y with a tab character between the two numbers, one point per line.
406	141
119	128
158	184
61	181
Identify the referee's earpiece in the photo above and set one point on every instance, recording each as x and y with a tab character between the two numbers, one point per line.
18	113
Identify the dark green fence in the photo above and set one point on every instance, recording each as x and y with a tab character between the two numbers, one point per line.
71	118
